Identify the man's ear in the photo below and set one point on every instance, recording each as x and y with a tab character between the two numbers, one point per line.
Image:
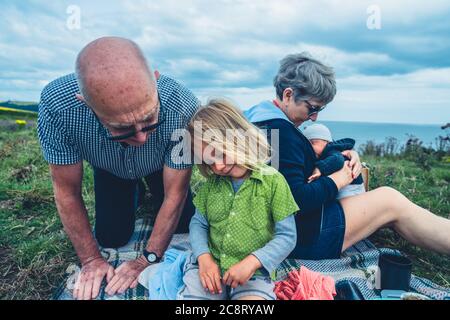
80	98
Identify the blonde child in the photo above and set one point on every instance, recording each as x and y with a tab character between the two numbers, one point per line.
244	223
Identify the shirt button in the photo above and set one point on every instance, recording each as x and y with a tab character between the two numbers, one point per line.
232	213
224	255
228	235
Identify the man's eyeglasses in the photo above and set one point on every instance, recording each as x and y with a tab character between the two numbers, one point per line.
313	109
131	134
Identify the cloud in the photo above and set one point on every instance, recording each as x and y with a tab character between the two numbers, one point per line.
232	47
418	97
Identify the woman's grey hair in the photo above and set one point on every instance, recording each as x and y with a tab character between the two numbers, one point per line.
307	77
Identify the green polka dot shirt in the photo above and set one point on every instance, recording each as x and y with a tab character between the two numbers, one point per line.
243	222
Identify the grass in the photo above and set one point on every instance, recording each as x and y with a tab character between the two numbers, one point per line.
35	251
428	189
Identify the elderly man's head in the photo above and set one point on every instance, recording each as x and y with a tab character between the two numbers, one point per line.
116	82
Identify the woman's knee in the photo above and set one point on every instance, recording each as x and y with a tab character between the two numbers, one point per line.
396	203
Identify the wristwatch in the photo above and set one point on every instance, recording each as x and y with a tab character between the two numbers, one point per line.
151	256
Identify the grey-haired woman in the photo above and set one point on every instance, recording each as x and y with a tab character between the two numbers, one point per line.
326	226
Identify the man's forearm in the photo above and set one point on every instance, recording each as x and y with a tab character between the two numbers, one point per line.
165	224
75	220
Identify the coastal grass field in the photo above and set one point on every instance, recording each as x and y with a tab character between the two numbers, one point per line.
35	251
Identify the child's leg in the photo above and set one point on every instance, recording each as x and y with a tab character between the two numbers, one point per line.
257	288
193	289
251	298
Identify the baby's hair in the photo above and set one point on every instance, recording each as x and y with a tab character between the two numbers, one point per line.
223	127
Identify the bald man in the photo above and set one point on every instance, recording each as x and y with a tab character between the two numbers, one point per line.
114	114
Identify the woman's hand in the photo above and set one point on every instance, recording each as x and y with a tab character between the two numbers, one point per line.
209	273
241	272
355	162
342	177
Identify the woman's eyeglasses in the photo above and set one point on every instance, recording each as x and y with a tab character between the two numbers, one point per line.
313	109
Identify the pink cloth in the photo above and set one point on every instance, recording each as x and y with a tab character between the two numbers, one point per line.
305	284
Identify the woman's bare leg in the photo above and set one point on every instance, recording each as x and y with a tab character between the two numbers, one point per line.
386	207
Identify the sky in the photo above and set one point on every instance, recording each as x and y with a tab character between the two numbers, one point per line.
391	58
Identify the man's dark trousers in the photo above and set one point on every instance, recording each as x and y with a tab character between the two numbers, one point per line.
116	202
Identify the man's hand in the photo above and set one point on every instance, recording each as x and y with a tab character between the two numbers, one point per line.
67	182
126	276
241	272
315	175
209	273
355	162
90	279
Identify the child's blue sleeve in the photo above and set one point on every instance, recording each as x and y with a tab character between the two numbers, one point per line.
198	234
282	244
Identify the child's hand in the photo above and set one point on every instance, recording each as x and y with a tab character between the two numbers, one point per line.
241	272
209	273
316	175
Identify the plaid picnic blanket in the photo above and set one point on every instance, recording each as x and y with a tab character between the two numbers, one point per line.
358	264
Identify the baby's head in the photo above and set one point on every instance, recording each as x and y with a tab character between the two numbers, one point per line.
224	142
319	136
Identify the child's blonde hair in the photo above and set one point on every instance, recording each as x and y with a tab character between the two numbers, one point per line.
222	126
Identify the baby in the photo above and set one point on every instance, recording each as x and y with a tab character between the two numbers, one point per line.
330	158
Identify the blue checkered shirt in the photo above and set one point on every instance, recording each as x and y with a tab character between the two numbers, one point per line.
69	132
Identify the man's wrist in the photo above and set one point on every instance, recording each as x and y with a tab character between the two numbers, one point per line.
90	259
143	260
151	256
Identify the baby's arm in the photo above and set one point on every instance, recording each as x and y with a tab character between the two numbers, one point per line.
281	245
331	164
315	175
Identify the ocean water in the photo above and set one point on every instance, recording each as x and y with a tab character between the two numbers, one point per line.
378	132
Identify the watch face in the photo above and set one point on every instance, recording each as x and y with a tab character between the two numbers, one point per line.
151	257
